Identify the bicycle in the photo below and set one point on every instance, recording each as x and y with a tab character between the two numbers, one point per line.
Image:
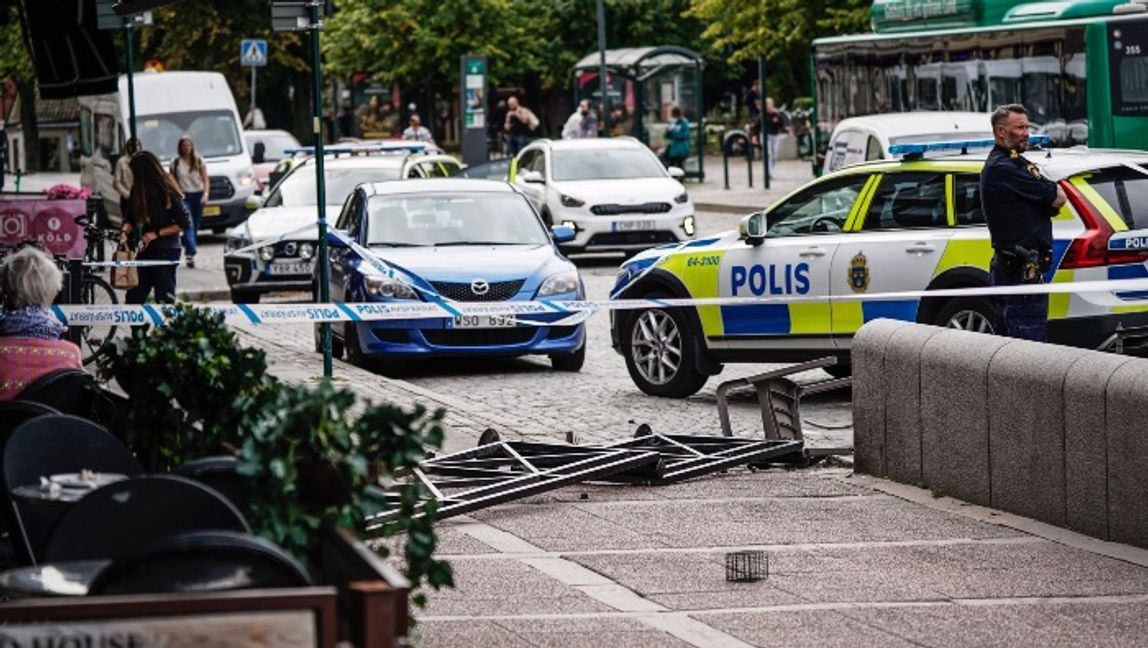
94	290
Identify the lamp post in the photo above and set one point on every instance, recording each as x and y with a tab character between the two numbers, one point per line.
602	86
316	7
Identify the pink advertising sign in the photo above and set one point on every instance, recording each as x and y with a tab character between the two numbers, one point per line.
50	223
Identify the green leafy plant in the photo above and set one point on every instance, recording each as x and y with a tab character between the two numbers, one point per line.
312	463
192	385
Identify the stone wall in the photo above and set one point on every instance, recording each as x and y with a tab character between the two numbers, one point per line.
1049	432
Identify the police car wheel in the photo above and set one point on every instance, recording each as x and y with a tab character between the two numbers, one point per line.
336	343
968	314
660	353
354	350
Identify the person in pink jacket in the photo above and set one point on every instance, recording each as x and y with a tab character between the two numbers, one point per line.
30	335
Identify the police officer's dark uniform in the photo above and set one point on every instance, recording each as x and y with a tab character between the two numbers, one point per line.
1017	203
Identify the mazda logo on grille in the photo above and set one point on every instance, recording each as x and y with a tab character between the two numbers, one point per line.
479	287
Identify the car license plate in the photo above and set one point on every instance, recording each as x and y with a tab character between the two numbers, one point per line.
212	210
633	225
485	321
289	268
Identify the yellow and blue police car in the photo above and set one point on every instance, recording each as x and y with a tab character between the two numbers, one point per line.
908	225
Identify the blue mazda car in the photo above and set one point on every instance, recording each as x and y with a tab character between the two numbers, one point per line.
454	240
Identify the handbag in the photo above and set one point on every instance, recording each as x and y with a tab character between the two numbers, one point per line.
124	278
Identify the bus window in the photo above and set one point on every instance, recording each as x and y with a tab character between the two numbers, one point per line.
1129	60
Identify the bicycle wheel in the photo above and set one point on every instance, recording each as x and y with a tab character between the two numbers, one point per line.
94	290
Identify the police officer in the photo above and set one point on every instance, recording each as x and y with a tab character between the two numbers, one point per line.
1018	203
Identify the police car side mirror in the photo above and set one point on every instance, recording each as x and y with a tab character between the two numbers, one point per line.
562	233
752	228
254	202
532	176
335	242
677	173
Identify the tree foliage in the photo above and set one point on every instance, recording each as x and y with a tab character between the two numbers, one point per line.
780	30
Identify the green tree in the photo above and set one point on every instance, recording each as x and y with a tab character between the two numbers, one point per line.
16	64
206	34
779	30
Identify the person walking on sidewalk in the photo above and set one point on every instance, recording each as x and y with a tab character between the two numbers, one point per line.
158	216
122	178
520	123
774	127
190	173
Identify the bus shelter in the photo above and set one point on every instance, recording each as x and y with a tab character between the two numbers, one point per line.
643	84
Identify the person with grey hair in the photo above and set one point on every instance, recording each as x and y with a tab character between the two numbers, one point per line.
1018	203
30	335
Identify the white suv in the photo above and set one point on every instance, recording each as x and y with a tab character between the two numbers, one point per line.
614	193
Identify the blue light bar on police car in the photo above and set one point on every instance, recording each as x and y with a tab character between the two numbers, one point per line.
379	147
920	148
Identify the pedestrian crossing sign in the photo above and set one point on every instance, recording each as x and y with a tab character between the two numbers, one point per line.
253	52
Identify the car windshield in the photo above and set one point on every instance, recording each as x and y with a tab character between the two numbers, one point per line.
213	131
453	219
298	189
606	164
274	144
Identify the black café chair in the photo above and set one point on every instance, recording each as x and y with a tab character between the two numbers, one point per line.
201	561
49	445
71	391
114	521
221	473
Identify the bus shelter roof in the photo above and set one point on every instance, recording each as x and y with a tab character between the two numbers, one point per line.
637	59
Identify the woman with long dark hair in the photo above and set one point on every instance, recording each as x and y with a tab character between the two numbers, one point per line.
158	217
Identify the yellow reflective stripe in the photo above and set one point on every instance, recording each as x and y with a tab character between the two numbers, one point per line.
965	252
861	205
1100	203
701	281
807	318
1130	309
513	170
950	201
848	316
1058	302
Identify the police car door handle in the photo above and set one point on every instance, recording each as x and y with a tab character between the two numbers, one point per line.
812	252
920	248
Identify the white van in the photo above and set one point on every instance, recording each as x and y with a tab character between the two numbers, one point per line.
168	106
861	139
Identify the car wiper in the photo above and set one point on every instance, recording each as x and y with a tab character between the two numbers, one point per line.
450	243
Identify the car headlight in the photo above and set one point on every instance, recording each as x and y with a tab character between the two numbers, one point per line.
267	252
684	198
389	288
570	201
236	242
306	251
563	282
245	177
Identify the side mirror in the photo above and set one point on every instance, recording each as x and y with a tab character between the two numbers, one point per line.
258	155
677	173
562	233
752	228
533	176
254	202
334	241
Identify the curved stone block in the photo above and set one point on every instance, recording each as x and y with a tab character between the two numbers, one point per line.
954	413
1126	404
1086	441
1026	428
902	389
867	356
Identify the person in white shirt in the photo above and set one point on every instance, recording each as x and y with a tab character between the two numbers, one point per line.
417	132
583	123
190	172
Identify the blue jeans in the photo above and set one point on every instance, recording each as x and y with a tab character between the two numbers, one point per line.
194	202
517	143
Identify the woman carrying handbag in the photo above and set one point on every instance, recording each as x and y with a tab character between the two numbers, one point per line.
158	217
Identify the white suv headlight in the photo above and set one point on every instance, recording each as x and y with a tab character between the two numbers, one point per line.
684	198
570	201
389	288
563	282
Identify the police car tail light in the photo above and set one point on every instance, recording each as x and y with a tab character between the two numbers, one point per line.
1090	249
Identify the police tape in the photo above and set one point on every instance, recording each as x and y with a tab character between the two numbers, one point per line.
143	263
543	312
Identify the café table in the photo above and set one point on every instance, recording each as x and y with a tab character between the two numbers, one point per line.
71	578
65	494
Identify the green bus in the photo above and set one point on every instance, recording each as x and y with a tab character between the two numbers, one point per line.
1079	66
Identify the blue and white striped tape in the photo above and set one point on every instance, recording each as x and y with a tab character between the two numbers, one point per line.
526	312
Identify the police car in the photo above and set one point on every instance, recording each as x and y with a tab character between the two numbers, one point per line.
288	264
890	226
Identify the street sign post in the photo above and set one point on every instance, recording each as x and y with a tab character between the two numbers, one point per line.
253	53
108	18
474	109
